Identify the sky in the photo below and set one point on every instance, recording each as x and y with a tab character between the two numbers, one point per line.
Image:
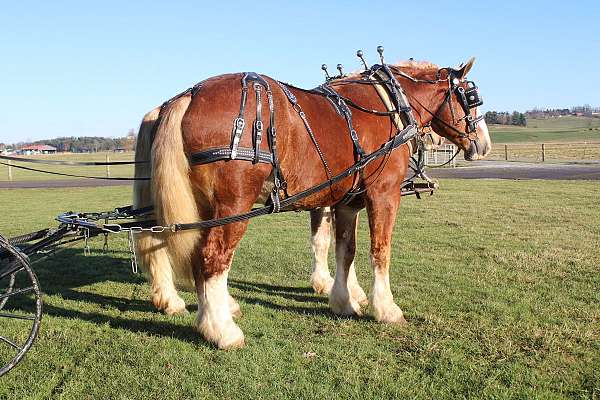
76	68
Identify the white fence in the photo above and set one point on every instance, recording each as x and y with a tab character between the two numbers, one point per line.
441	156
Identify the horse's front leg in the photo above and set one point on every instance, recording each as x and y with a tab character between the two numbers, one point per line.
382	210
341	300
320	236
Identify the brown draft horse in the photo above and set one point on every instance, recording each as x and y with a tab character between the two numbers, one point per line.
182	193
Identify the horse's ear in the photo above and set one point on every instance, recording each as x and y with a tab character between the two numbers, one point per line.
463	69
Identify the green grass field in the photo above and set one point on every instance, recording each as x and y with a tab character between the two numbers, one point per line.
498	280
25	175
564	129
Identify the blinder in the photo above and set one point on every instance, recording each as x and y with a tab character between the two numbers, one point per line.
468	99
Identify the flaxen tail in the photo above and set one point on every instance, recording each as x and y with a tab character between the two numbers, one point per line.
173	198
151	248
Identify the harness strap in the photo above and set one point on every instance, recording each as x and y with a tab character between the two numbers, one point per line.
343	109
239	123
224	153
399	139
294	101
258	125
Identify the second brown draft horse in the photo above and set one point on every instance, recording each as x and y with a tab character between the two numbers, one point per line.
312	145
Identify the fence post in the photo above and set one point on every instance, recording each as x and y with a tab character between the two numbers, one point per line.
543	153
505	152
107	166
10	178
450	155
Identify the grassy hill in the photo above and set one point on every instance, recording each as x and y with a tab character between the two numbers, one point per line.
564	129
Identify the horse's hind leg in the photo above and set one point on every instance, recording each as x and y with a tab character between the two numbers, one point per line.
382	214
341	300
320	237
215	306
356	291
154	258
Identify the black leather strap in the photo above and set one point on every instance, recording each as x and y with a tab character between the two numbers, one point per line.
343	109
224	153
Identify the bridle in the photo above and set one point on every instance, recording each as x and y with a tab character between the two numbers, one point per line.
468	99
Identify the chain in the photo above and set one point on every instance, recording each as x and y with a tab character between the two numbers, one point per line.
118	228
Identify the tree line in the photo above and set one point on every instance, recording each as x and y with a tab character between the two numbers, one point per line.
84	144
505	118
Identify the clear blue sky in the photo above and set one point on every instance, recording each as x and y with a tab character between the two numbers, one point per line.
74	68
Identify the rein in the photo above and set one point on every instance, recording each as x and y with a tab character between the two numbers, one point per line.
117	178
71	163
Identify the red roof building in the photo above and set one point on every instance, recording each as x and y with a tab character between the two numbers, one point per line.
38	149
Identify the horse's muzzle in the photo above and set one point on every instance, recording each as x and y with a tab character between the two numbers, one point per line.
478	149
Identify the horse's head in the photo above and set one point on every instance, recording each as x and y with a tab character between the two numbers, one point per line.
444	99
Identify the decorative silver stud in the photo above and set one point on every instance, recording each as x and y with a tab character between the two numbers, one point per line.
339	68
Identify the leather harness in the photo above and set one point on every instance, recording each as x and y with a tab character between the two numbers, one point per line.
379	75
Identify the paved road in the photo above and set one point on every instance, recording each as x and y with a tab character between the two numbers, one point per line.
475	170
516	170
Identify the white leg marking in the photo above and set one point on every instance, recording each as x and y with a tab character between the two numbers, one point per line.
234	308
356	291
320	223
341	301
214	320
382	300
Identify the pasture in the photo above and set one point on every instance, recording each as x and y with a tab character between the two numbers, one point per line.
498	280
551	130
26	175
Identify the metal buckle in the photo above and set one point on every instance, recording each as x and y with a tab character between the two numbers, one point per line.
238	125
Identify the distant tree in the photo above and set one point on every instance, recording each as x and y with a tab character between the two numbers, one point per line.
514	119
491	117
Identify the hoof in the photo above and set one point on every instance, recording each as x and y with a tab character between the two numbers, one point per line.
345	307
358	294
234	308
233	342
172	305
225	336
321	284
391	314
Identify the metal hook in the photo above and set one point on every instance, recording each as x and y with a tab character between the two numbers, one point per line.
359	54
380	51
86	247
324	68
132	254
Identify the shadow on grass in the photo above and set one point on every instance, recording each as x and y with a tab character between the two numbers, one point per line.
65	273
287	292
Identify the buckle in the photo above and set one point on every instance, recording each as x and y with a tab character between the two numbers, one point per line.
239	124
